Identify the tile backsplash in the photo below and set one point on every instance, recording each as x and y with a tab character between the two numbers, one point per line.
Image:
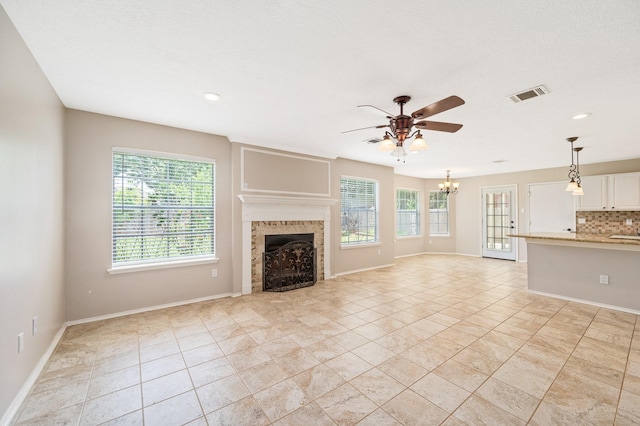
608	222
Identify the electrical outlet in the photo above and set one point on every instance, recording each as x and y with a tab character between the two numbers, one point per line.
214	273
582	220
604	279
629	221
20	342
34	325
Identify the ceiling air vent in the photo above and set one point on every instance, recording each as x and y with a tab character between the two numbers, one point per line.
534	92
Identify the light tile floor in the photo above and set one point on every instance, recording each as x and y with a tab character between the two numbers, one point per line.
434	340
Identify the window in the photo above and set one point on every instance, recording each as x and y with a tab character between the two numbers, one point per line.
438	213
359	211
163	209
407	213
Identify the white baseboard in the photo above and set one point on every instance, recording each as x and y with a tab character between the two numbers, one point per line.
150	308
363	270
438	252
586	302
410	255
31	380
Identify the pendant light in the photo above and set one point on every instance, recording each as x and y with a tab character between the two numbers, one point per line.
578	190
573	185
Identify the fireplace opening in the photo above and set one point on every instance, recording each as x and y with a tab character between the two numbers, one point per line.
288	262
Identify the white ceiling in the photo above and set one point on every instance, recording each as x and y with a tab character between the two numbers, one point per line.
291	72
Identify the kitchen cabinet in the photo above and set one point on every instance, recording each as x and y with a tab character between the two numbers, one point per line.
610	192
624	191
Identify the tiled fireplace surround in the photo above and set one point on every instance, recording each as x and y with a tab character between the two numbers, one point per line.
268	215
261	228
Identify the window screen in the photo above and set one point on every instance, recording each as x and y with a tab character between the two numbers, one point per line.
438	213
359	210
163	209
407	212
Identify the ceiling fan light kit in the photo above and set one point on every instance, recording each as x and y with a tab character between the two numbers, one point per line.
401	126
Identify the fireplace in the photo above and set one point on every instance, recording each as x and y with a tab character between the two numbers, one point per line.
288	262
270	215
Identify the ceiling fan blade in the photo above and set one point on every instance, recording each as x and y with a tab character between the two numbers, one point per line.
438	126
364	128
438	107
378	110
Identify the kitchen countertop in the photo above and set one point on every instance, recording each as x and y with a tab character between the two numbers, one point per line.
578	238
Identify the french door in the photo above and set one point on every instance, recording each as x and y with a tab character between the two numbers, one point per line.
498	220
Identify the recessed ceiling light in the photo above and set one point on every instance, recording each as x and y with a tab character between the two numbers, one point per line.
212	96
581	116
499	161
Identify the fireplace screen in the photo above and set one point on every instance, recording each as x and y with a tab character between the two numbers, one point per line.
289	262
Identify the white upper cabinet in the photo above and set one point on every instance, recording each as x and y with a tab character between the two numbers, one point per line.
624	191
611	192
595	193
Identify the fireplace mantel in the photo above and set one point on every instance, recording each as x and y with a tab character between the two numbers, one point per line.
278	208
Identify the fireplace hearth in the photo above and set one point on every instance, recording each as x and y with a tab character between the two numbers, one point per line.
288	262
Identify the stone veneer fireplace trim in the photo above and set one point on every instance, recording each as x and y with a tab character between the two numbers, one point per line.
274	208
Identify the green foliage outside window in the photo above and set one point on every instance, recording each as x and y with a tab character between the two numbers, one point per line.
407	212
358	210
163	209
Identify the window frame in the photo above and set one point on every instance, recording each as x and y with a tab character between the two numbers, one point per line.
417	211
171	261
441	196
361	243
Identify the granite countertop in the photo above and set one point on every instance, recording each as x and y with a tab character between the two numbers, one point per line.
582	238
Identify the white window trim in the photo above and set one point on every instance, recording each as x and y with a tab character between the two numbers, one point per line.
420	222
448	234
365	244
160	265
137	267
409	237
162	154
359	245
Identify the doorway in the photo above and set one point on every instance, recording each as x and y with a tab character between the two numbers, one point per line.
498	220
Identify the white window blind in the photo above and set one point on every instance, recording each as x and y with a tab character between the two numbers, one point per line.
359	210
438	213
163	209
407	212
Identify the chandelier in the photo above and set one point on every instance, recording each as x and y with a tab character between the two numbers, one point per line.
448	187
574	170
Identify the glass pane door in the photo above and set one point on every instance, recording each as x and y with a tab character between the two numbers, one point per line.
498	221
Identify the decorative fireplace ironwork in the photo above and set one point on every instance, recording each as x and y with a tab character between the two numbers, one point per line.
290	266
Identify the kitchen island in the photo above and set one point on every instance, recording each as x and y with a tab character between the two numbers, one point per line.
590	268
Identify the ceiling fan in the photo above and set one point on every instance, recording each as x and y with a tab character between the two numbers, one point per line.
401	126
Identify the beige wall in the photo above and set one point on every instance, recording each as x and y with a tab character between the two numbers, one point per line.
574	272
354	259
90	290
406	246
31	213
